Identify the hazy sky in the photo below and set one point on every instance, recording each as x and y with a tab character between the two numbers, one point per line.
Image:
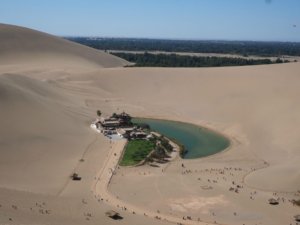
277	20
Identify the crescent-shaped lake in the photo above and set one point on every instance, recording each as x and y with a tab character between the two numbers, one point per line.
198	141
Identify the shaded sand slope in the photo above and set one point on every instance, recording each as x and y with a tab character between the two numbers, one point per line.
41	122
19	45
38	125
44	129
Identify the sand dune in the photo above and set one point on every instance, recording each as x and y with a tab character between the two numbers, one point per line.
19	45
49	93
37	129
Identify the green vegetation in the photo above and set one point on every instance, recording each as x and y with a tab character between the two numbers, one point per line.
173	60
161	150
163	147
136	151
140	149
243	48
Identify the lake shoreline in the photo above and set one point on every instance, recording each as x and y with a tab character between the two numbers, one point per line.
180	144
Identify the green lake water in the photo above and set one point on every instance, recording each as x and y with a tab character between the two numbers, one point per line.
199	141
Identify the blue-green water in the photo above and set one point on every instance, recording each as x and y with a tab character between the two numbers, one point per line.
197	140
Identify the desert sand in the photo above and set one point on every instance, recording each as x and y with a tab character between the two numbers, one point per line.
50	90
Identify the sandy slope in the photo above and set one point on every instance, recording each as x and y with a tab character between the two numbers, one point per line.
19	45
36	130
44	132
39	120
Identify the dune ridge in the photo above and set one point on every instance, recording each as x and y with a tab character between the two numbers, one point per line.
19	45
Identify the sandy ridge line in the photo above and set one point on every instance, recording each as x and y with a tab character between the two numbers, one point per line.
266	165
101	192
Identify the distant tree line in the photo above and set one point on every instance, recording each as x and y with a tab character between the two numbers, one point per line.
173	60
244	48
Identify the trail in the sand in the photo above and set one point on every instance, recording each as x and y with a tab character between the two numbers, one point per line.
103	178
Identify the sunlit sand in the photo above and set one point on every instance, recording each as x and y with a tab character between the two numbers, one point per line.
49	97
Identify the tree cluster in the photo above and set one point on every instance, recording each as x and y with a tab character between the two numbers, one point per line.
174	60
244	48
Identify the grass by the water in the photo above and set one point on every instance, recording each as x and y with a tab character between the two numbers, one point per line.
136	151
